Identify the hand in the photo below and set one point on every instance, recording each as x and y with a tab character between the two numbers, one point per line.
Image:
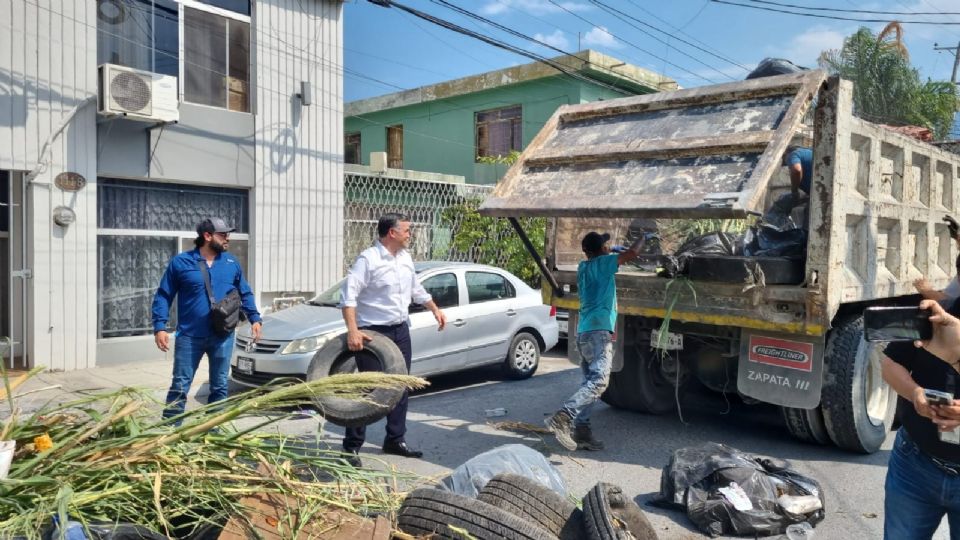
162	339
947	416
921	405
441	319
355	340
953	226
257	330
945	343
923	286
618	249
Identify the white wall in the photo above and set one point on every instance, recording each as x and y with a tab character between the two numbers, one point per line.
47	68
298	198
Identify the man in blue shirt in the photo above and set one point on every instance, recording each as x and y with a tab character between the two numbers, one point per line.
597	289
195	337
799	162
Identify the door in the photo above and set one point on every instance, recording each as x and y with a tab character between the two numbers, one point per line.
492	318
435	351
395	147
13	275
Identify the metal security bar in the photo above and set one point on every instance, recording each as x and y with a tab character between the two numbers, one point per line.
439	212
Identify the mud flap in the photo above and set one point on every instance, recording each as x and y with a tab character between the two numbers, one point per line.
573	354
783	369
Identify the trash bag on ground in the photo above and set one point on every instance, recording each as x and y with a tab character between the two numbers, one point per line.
468	479
777	234
715	243
725	491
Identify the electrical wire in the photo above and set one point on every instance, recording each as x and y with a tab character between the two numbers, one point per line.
865	11
833	17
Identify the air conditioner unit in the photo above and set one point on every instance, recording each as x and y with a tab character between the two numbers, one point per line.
138	95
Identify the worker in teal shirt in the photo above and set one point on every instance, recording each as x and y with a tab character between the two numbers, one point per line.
184	280
597	289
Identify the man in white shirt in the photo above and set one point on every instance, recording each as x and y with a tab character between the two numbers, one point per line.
376	295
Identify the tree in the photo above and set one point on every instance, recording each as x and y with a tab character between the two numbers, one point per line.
887	88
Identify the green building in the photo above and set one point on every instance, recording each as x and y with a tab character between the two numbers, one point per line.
460	127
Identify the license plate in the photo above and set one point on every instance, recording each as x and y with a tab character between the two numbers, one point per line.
669	342
562	325
245	365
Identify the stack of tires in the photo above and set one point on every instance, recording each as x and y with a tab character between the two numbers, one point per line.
515	507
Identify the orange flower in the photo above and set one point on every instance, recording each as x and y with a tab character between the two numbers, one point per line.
43	442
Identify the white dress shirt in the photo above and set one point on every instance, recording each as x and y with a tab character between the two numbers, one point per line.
381	287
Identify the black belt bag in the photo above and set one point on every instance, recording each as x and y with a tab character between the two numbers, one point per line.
225	314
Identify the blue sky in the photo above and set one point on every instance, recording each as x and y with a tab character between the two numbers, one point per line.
401	51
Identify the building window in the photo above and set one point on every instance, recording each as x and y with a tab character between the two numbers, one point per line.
238	6
141	225
351	148
395	147
498	131
141	34
216	68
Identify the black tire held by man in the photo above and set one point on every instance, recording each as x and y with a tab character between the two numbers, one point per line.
435	512
528	499
334	358
850	364
609	515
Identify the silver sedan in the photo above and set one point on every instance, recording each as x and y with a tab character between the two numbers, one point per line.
492	318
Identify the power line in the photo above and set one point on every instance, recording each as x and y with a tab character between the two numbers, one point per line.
641	49
866	11
832	17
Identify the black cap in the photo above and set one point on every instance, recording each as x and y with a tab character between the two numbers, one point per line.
214	225
593	242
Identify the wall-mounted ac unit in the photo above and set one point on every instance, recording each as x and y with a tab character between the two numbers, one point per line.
138	95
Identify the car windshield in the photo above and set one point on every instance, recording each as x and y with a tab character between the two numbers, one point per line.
329	297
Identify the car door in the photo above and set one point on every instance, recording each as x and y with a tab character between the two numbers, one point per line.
491	316
434	351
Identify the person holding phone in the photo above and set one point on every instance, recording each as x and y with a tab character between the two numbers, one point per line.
923	475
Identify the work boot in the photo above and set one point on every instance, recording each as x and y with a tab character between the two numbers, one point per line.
583	436
561	425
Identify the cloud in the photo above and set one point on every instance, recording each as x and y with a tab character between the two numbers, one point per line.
533	7
805	48
598	36
557	39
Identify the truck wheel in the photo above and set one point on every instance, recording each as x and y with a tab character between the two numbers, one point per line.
641	385
856	401
609	515
534	503
441	514
806	425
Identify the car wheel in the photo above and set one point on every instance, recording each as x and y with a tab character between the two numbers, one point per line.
535	503
523	357
609	515
442	514
335	357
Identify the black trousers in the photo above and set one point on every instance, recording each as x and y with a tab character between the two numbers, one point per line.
397	418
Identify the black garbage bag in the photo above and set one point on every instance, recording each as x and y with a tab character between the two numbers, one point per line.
715	243
777	235
769	67
726	491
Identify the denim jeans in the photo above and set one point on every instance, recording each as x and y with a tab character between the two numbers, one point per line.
596	358
187	352
917	494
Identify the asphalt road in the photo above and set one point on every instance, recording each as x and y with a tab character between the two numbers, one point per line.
447	422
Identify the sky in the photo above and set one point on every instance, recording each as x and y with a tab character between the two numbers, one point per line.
387	50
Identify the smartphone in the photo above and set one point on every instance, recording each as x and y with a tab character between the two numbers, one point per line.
936	397
884	323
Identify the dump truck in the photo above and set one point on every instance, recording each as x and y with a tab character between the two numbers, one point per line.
874	225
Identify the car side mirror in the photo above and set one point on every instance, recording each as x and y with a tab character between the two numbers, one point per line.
417	308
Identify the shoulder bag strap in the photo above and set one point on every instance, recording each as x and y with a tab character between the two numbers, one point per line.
206	281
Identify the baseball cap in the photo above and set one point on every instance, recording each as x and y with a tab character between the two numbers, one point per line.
214	225
593	241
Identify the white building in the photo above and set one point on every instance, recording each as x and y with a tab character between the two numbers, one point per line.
94	202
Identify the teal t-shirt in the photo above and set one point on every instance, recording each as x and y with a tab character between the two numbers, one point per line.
598	293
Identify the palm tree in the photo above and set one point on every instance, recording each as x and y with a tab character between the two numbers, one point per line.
887	88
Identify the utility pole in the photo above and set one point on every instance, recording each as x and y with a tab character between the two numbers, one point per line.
956	59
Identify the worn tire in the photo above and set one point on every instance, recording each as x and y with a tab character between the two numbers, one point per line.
609	515
851	369
535	503
806	425
428	511
640	386
334	358
523	357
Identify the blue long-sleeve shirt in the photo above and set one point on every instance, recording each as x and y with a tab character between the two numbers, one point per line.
183	280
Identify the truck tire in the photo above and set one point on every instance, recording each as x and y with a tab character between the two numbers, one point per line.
806	425
334	358
535	503
856	401
428	511
609	515
523	357
640	386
